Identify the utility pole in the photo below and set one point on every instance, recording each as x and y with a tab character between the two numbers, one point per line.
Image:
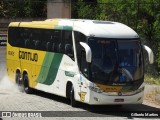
58	9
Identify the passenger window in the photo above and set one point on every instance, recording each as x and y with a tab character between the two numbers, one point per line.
68	44
38	45
13	36
49	39
57	40
27	38
79	37
49	46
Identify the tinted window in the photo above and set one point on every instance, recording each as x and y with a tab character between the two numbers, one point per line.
13	35
67	41
42	39
79	37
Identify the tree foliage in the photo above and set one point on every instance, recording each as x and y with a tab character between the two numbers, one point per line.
22	8
141	15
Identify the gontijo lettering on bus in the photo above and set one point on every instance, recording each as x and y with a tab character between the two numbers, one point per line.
28	56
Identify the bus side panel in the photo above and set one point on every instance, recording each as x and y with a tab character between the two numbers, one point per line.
31	63
46	78
57	69
13	62
68	73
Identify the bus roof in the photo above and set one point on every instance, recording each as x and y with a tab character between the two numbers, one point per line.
94	28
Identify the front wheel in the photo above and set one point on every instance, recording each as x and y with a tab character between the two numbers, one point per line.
27	89
73	101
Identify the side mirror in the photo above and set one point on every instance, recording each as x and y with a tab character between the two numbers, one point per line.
88	52
150	54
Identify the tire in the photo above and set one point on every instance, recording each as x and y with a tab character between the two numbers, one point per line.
19	82
18	76
73	101
26	87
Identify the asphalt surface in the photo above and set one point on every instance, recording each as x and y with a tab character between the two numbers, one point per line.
55	107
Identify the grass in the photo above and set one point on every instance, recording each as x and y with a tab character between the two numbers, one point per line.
151	79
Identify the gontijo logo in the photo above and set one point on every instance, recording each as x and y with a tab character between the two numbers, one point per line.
28	56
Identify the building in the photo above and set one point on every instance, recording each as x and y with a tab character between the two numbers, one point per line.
58	9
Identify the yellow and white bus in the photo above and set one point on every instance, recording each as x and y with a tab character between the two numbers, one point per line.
90	61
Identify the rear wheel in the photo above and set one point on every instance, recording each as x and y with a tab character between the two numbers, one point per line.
73	101
18	76
19	81
27	89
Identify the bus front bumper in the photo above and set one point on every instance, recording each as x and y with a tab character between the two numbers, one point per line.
102	99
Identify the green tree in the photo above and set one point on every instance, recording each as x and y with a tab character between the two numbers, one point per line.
141	15
84	10
149	26
23	8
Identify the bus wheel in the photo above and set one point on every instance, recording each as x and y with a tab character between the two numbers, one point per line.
18	76
19	81
73	101
27	89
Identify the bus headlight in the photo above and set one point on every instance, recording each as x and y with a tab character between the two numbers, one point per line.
140	90
95	89
132	92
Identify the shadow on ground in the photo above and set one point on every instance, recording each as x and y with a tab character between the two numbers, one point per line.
103	110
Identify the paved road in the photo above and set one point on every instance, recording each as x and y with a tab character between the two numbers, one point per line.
11	99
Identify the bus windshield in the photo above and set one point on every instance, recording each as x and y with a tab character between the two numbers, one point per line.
115	61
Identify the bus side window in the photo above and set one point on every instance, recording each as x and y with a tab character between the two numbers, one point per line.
56	49
37	45
17	38
79	37
41	37
18	41
49	46
34	39
27	43
10	34
14	36
68	44
57	40
31	40
53	47
26	37
69	50
48	38
60	49
22	41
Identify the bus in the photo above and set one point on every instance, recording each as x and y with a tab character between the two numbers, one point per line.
89	61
